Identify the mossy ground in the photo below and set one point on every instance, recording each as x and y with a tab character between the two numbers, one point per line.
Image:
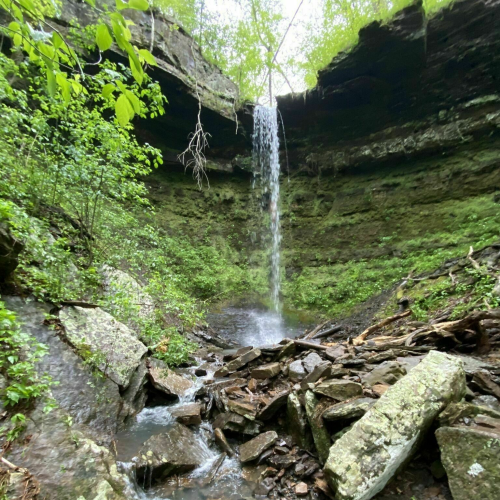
346	237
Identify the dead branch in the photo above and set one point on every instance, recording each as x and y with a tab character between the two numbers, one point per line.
307	345
387	321
326	333
316	330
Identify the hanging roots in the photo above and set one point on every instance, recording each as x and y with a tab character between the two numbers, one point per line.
194	156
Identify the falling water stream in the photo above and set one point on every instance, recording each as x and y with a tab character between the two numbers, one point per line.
247	326
266	159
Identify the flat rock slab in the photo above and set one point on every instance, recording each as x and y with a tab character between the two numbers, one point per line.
238	363
273	406
296	370
388	373
169	382
252	449
364	459
108	344
341	390
266	371
175	451
188	414
471	459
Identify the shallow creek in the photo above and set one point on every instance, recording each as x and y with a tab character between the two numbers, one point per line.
246	326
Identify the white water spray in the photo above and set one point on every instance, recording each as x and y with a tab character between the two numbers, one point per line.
266	158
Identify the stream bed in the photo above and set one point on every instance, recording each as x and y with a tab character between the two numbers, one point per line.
247	327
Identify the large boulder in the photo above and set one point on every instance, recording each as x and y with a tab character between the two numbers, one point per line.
471	456
174	451
67	463
387	373
104	342
92	400
126	299
341	390
321	437
167	381
364	459
298	426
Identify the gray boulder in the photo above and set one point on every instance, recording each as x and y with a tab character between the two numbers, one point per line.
252	449
348	410
387	373
470	456
172	452
364	459
341	390
311	361
103	342
266	371
238	363
167	381
296	371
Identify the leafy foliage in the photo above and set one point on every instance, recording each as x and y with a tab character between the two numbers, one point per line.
18	355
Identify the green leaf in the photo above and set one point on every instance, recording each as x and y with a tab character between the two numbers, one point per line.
28	5
65	87
91	2
103	38
51	82
120	5
107	90
134	100
138	74
148	57
119	35
139	4
124	111
57	41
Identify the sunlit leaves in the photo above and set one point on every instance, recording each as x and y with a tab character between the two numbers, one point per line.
147	57
103	38
139	4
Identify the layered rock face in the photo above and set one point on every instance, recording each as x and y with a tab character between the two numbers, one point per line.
393	163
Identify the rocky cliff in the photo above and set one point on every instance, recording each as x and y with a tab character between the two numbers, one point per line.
392	162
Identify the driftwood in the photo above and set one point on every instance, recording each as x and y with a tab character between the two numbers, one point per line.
307	345
372	329
326	333
312	333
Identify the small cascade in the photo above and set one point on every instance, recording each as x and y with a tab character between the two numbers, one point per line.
266	160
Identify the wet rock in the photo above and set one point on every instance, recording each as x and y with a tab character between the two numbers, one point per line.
323	369
175	451
470	457
489	401
266	371
167	381
311	361
296	371
381	356
338	371
464	412
298	426
252	449
67	463
335	352
340	390
200	372
10	248
213	387
238	363
282	461
273	406
222	442
348	410
245	408
364	459
319	432
301	489
236	423
265	487
135	395
287	351
103	341
388	373
483	382
187	414
94	401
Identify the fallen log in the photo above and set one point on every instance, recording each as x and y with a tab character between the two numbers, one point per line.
372	329
316	330
307	345
326	333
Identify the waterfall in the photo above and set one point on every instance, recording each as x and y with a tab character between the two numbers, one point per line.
266	159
